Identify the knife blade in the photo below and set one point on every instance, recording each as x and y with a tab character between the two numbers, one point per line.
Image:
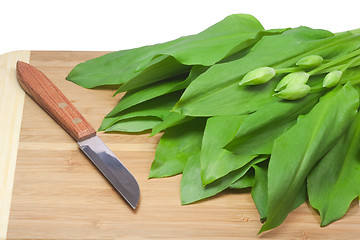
53	101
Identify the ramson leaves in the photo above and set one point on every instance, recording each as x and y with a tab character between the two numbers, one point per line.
297	151
176	146
168	59
245	108
215	161
331	185
216	92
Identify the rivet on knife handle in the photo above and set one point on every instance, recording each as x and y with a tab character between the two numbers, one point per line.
54	102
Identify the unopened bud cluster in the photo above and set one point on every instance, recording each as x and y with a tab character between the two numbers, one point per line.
293	85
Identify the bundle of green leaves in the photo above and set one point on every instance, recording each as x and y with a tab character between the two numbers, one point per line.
274	111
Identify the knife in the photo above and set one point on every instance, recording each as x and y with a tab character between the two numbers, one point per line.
54	102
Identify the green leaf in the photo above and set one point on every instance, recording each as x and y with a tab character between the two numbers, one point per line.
297	151
232	34
159	69
215	161
244	182
170	120
134	97
135	124
351	75
157	107
218	41
104	70
258	131
144	94
153	100
259	191
191	187
117	68
333	183
176	145
216	92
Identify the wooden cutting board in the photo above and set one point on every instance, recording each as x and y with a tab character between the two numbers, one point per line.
58	193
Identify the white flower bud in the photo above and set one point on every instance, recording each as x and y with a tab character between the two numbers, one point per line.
311	61
258	76
294	91
332	79
298	77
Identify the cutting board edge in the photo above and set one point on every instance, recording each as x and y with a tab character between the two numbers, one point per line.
11	111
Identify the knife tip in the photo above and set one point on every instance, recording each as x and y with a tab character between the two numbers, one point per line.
134	202
133	206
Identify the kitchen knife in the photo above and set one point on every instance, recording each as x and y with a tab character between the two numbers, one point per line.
54	102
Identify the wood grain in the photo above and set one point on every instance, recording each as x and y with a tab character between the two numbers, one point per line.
59	194
11	109
53	101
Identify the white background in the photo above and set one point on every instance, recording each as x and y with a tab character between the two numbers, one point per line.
111	25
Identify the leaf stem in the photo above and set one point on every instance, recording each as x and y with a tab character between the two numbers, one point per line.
353	64
350	63
335	62
287	70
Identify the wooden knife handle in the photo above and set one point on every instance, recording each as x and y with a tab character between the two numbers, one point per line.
53	101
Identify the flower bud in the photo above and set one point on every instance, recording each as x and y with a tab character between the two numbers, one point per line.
294	91
258	76
332	78
311	61
298	77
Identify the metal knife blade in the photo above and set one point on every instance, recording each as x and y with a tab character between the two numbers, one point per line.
54	102
115	172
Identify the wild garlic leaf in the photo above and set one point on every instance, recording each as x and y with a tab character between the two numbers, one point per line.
259	191
333	183
170	120
221	135
217	42
156	107
217	162
176	145
144	94
216	92
191	187
153	100
258	131
246	181
134	124
351	75
296	152
159	69
117	68
137	96
168	67
104	70
205	48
